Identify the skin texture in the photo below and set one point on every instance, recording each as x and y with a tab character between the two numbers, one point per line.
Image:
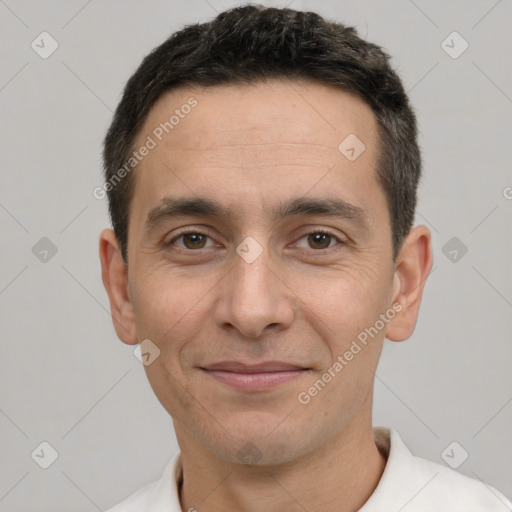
301	301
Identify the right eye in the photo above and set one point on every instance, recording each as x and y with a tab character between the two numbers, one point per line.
191	240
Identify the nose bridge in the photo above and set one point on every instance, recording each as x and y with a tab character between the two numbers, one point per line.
253	277
252	297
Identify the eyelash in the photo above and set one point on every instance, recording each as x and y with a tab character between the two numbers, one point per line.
196	232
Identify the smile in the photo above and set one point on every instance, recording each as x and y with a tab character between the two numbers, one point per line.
261	377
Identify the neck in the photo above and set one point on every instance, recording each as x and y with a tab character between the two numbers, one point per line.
340	475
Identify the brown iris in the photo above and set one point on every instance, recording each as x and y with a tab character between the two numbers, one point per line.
196	240
319	240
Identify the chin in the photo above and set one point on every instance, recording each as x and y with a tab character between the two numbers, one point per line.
261	443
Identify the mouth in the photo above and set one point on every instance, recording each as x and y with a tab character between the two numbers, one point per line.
258	377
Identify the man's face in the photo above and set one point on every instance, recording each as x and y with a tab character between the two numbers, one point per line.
254	151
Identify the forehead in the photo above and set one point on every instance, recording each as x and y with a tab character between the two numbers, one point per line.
256	137
296	111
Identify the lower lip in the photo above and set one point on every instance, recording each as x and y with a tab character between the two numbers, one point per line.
255	381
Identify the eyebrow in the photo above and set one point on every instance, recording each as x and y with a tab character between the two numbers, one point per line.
174	207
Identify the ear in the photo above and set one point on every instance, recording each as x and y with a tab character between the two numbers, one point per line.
413	266
114	274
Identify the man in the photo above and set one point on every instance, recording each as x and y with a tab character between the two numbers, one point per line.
262	172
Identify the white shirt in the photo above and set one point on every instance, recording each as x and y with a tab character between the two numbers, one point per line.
408	484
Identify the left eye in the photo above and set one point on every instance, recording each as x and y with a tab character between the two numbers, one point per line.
319	240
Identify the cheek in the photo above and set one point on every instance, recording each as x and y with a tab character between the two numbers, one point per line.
342	312
344	302
166	312
162	299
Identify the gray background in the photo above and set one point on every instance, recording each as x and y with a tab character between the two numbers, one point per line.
67	380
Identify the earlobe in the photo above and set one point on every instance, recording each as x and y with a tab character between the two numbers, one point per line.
115	279
412	269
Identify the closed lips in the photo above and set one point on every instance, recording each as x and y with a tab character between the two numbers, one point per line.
267	367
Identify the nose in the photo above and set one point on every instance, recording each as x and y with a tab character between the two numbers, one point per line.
253	298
